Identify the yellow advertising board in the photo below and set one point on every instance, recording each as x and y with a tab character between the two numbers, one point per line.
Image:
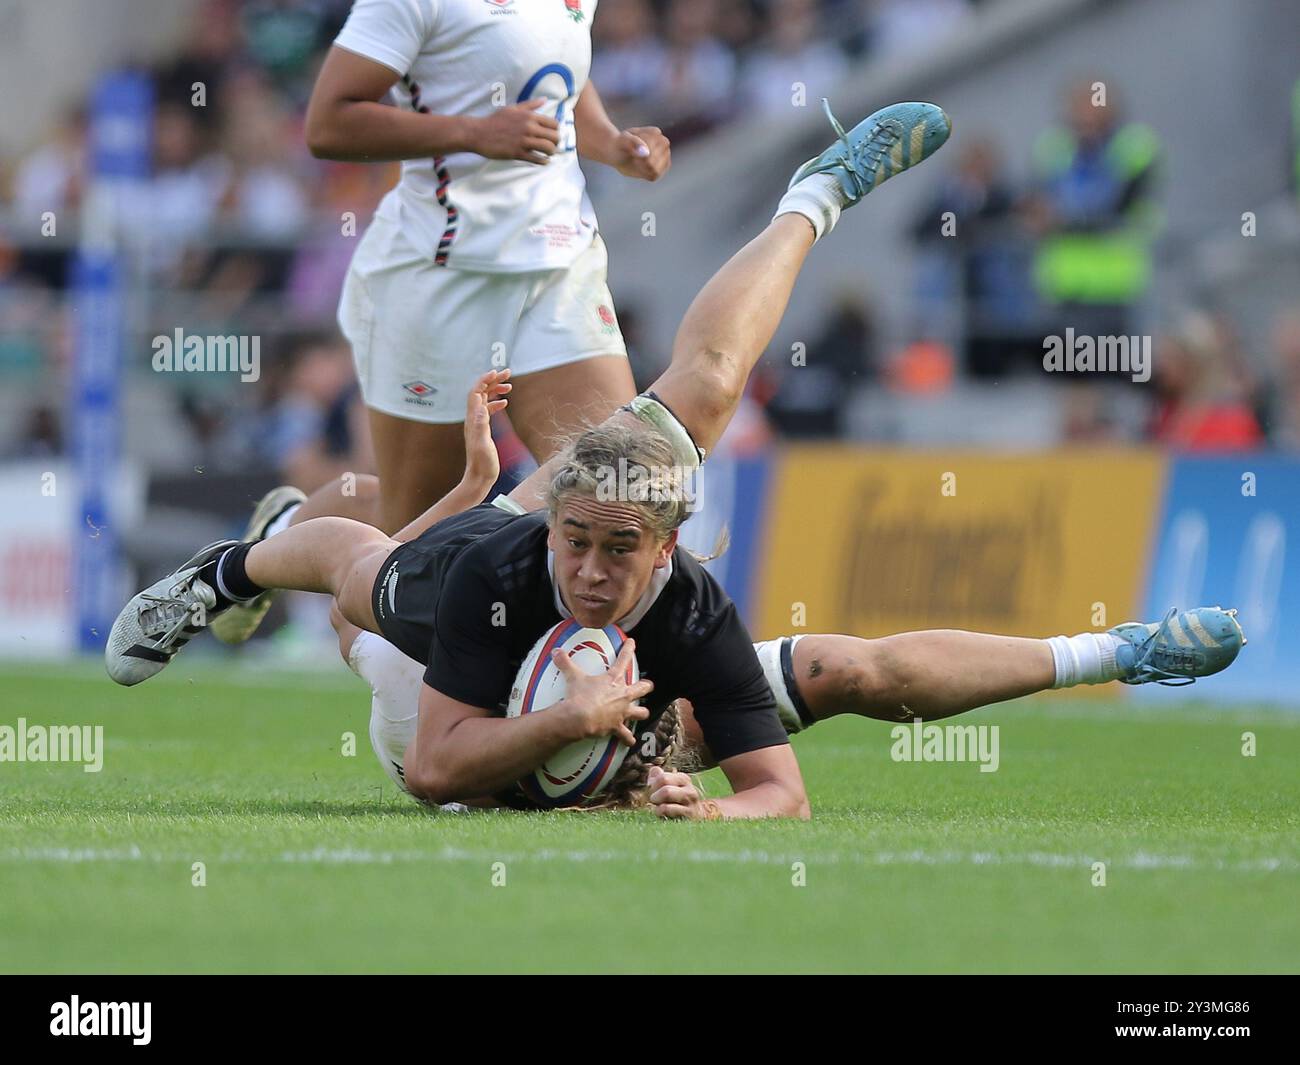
872	542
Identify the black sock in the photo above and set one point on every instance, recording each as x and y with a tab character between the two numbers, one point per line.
226	576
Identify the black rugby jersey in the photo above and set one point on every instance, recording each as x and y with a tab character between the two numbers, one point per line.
471	596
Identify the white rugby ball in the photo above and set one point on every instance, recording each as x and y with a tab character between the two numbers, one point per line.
584	768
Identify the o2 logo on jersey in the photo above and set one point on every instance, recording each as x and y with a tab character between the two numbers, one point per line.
568	133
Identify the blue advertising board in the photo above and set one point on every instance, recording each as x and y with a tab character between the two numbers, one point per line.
1229	535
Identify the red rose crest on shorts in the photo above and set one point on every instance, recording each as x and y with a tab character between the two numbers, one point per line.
574	8
607	320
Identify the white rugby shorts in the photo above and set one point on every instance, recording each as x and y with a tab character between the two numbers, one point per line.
422	334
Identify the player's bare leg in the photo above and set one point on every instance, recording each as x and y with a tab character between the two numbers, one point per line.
548	407
930	675
729	325
335	556
725	330
418	464
941	672
734	317
353	495
350	495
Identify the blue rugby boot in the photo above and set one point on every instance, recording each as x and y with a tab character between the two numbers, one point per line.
1182	647
879	147
886	143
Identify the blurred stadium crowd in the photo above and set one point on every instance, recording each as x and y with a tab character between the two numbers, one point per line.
240	233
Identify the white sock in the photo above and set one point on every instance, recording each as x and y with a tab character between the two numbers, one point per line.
1088	658
282	522
819	198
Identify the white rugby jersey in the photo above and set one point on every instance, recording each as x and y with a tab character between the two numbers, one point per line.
466	57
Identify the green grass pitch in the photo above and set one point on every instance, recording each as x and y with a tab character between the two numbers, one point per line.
314	863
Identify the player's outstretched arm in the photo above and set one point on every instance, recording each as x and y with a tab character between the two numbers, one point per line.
463	751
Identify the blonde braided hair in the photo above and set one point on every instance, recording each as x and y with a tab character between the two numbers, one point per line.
665	747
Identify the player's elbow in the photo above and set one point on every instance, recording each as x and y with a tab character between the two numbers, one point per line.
792	799
428	781
784	799
796	804
321	130
321	141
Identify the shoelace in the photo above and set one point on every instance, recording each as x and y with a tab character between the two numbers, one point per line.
872	151
1170	655
173	610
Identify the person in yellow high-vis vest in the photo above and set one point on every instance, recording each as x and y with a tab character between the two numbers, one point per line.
1095	213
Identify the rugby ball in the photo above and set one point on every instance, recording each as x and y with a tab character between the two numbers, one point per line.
584	768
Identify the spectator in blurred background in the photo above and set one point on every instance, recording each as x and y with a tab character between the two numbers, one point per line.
796	65
284	37
265	197
972	224
910	25
1203	401
316	430
53	177
210	54
1087	418
1095	213
700	75
179	202
809	399
739	25
1282	406
629	61
41	435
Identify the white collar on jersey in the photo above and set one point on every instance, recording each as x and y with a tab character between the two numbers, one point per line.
658	580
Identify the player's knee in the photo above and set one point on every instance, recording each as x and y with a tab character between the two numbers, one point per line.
354	576
725	376
886	671
428	784
347	632
860	681
715	382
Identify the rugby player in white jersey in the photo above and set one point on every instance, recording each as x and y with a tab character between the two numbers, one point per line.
559	548
486	253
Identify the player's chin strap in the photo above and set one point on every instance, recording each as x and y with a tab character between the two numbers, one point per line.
655	413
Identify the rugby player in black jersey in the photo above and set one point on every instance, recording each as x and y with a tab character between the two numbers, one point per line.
479	587
468	596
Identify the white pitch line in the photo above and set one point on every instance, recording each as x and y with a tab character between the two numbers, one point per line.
1140	860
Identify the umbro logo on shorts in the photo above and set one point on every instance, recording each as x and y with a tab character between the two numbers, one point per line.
501	6
419	392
